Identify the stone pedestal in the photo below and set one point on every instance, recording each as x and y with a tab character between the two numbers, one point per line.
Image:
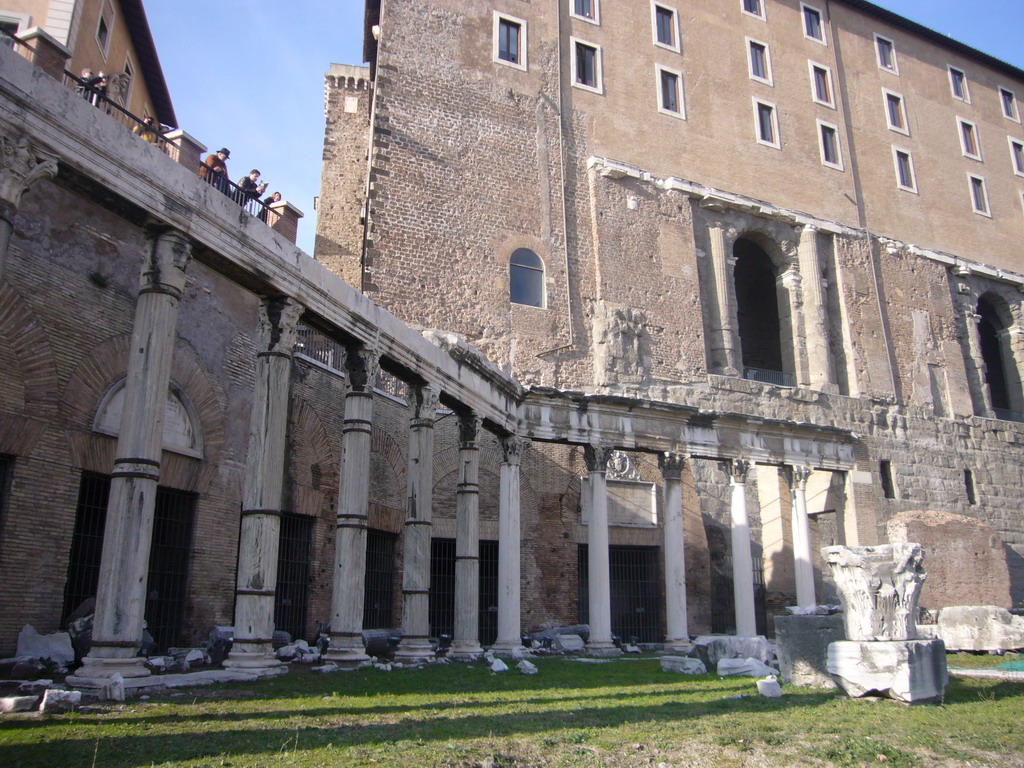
912	671
801	646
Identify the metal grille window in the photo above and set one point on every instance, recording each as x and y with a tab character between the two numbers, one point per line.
379	591
723	599
292	590
635	592
442	587
321	349
488	624
6	470
86	541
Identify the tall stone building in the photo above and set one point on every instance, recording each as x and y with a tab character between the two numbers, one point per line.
809	213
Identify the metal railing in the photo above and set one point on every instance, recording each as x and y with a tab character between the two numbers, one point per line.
765	376
95	91
249	200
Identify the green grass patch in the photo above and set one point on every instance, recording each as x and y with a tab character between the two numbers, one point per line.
625	713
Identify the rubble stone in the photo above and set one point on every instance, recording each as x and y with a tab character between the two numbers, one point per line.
18	704
56	646
769	687
744	667
684	664
980	628
713	648
913	671
56	701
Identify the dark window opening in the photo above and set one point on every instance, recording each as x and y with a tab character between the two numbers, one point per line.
293	563
664	26
635	592
103	34
822	87
752	6
812	23
379	590
526	278
669	91
885	472
488	592
991	332
508	41
766	123
6	472
972	498
586	65
723	597
758	61
442	590
585	8
757	313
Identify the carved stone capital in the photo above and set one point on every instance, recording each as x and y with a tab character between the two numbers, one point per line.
363	365
469	430
738	469
511	449
596	458
800	474
164	269
671	465
21	166
279	320
622	467
423	402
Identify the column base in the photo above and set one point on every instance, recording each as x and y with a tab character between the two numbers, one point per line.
348	658
414	649
465	652
677	646
508	649
602	650
254	663
96	671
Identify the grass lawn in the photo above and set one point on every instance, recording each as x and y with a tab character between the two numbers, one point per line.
623	713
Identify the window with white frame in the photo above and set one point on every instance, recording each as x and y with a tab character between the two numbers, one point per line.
821	84
509	41
11	24
129	72
586	65
760	61
958	84
828	143
895	112
666	26
813	27
754	8
886	51
903	161
766	124
670	92
103	27
1017	155
970	142
588	10
979	195
1008	101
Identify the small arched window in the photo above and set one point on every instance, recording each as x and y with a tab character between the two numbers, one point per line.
526	278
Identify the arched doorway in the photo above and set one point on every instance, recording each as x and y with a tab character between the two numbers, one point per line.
1001	380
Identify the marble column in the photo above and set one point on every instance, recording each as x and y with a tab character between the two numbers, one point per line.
599	595
803	567
742	561
21	166
263	492
727	332
789	290
967	304
346	645
466	639
677	637
415	642
124	564
819	358
509	549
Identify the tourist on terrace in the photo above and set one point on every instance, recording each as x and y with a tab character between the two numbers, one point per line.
215	169
147	130
267	202
251	187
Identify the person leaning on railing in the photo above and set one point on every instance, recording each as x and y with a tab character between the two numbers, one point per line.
147	130
215	170
267	202
251	187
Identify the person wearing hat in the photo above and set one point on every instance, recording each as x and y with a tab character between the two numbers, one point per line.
215	169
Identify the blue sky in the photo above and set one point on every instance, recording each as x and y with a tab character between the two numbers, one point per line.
248	74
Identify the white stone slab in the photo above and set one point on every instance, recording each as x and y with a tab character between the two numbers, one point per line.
683	664
56	646
980	628
744	668
913	671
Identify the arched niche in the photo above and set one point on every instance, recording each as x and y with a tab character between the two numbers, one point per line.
182	431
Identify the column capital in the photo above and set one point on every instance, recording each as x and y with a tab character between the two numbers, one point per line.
362	362
671	464
511	449
800	474
279	320
738	469
423	401
469	429
21	166
596	457
164	269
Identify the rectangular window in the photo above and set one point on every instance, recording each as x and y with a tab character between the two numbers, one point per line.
979	195
129	72
885	473
103	26
828	136
969	141
670	92
379	586
587	10
509	41
813	29
766	124
586	65
958	84
905	177
821	84
886	54
666	27
754	8
1017	155
1009	104
295	544
972	497
760	61
895	112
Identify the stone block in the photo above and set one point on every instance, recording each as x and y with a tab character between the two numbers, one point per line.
744	668
568	643
526	667
912	671
769	688
801	644
684	664
18	704
56	646
713	648
56	701
980	628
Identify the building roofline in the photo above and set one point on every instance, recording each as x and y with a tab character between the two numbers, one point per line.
149	62
931	35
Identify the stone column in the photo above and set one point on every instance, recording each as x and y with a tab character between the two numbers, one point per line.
21	166
1014	346
742	561
509	549
466	639
346	645
599	595
967	303
124	565
789	289
727	332
677	637
415	642
803	567
263	494
819	359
